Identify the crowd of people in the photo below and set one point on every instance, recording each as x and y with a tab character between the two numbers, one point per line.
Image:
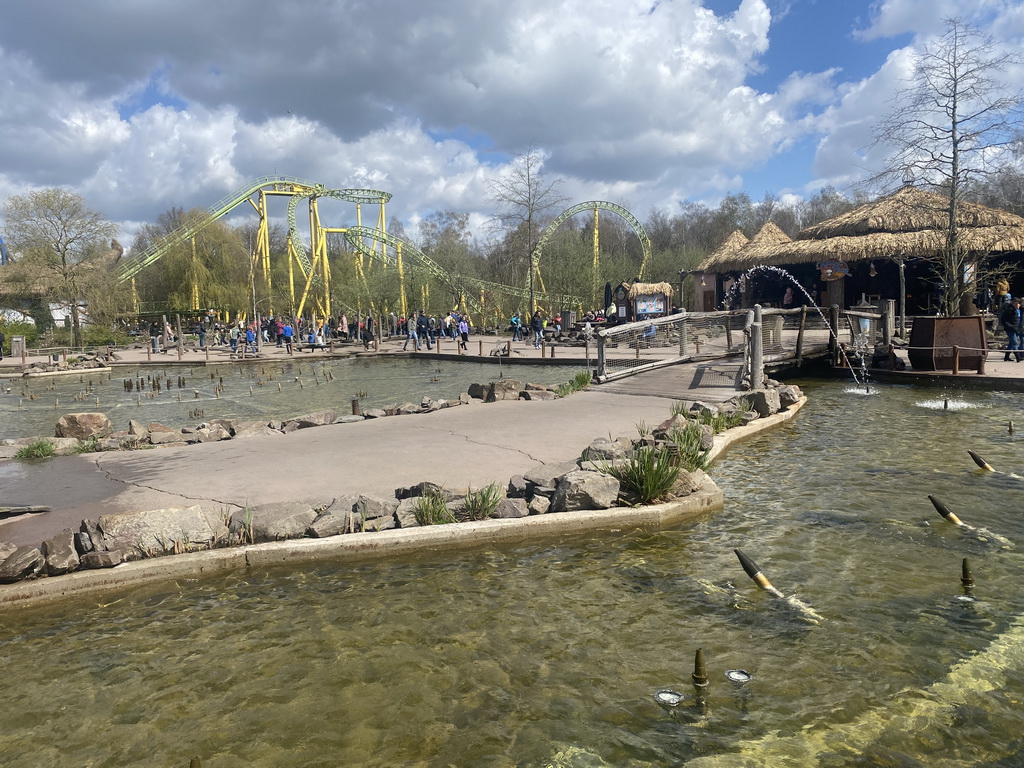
419	329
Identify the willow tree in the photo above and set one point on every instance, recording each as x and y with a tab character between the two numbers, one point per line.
61	248
947	130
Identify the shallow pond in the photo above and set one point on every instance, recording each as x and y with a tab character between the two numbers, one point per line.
551	654
264	390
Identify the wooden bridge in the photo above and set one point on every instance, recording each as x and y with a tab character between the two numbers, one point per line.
711	354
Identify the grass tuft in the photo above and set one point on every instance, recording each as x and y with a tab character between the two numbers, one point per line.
482	504
649	472
40	449
432	509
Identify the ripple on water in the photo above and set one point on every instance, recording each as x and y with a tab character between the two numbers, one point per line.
506	657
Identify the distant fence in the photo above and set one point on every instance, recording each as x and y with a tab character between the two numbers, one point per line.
759	336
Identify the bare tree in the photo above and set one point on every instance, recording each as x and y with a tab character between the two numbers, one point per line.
946	130
62	247
522	197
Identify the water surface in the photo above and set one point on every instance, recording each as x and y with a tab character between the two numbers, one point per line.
550	654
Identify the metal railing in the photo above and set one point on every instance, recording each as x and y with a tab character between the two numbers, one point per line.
772	335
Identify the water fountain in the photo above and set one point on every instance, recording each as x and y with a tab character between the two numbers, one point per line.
859	383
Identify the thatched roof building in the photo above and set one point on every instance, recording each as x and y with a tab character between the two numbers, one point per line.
740	251
649	289
910	223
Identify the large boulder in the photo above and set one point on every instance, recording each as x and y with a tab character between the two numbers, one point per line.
405	515
60	553
789	394
510	508
83	426
547	476
23	563
315	419
585	490
505	389
764	401
271	522
167	531
253	429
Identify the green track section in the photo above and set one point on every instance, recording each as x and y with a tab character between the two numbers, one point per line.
298	188
459	284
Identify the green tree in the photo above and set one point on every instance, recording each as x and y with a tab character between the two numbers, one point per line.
61	247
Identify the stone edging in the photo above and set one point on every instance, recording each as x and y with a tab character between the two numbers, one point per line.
362	548
377	545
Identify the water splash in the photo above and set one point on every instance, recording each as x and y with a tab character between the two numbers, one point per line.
860	340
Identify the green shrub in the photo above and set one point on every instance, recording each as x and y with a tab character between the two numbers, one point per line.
88	445
40	449
432	509
481	504
577	383
688	444
649	472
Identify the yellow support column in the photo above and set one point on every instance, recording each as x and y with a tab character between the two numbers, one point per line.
403	305
597	260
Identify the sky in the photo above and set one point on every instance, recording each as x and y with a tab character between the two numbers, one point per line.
142	106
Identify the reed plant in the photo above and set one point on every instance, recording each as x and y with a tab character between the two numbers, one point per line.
688	439
648	472
481	504
432	509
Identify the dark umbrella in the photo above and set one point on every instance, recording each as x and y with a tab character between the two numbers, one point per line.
607	295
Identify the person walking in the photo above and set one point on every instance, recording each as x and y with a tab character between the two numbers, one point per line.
464	332
537	325
410	334
423	328
517	327
287	332
1010	319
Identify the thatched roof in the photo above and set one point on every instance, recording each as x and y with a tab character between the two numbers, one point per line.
726	251
743	250
907	210
649	289
909	223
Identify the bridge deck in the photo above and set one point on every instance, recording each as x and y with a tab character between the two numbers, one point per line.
713	381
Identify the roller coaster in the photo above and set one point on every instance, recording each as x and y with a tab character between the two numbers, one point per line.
309	272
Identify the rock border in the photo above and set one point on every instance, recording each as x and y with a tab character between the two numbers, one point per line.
351	548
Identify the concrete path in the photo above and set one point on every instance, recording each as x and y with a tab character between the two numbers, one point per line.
471	445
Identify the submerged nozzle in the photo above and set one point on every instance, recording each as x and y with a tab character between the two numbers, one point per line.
943	510
966	577
751	569
981	462
700	672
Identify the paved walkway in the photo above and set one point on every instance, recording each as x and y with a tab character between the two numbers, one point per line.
471	445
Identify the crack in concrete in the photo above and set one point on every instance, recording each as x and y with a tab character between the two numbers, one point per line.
107	474
469	440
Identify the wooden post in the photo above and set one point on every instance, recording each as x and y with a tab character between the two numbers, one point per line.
756	352
181	338
163	330
543	349
981	362
149	351
892	357
356	408
207	348
800	336
833	339
601	363
481	352
437	345
682	338
956	360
